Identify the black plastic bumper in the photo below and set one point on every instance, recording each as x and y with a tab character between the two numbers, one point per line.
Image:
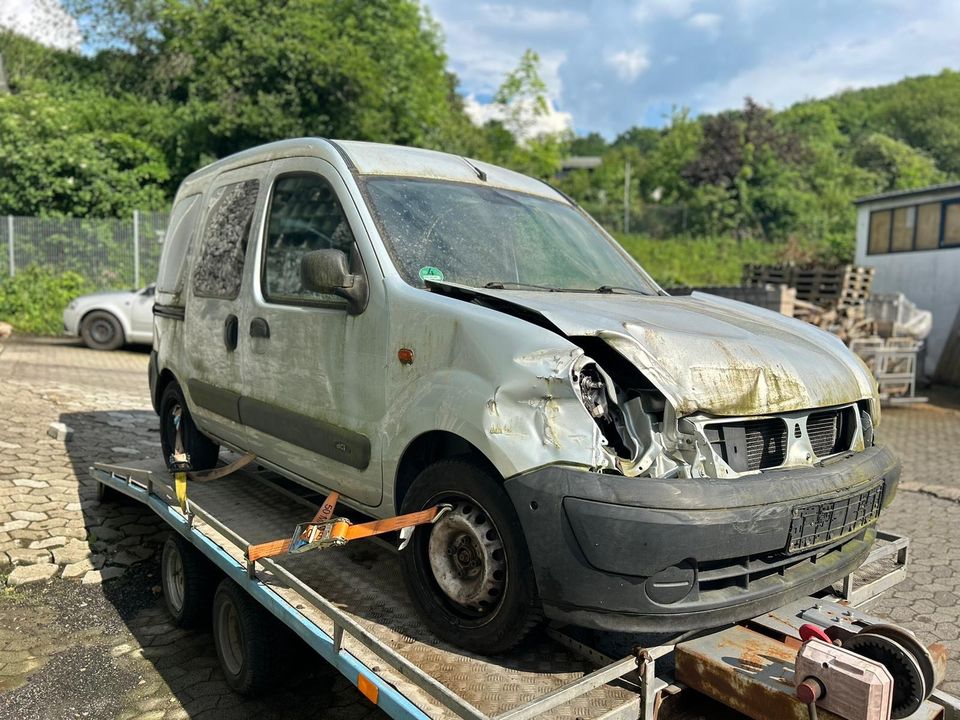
647	554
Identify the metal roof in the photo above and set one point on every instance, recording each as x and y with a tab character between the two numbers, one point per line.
893	194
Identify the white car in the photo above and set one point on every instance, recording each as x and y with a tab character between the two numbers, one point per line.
107	320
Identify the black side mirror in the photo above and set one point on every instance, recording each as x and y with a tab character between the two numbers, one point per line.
328	271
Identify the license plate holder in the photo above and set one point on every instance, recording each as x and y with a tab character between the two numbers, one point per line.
824	521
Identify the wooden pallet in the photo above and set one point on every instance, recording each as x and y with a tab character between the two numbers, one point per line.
836	286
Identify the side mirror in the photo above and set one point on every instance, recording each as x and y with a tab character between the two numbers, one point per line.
328	271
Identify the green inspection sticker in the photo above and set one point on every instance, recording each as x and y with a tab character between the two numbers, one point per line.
430	273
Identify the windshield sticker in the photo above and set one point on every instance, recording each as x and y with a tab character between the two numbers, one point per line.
430	273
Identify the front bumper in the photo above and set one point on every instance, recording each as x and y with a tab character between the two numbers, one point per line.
646	554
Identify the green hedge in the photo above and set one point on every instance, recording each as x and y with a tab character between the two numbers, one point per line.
699	261
34	299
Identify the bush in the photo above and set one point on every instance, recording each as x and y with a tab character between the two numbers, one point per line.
699	261
34	299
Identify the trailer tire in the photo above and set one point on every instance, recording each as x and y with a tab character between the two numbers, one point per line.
469	574
252	650
188	580
203	451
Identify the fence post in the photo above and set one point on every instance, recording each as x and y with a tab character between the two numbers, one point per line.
12	267
626	197
136	248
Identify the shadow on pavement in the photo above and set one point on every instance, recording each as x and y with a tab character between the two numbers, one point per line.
177	667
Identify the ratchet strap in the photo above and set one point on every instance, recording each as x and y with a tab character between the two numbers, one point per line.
179	464
325	531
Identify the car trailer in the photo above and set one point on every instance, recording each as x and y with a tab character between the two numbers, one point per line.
349	605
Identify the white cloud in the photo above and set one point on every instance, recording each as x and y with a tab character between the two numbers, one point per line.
531	19
549	123
788	75
42	20
708	22
646	10
629	64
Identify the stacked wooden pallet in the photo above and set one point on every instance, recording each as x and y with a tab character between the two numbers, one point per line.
835	286
838	286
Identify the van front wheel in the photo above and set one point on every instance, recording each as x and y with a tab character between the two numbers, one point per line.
202	450
469	574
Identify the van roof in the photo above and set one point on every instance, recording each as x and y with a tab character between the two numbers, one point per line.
372	159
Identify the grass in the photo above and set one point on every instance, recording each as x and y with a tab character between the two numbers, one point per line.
699	261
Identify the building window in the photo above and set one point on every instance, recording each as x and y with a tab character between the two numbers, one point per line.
914	227
951	224
901	235
928	226
879	232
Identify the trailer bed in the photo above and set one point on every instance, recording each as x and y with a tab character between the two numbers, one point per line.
362	581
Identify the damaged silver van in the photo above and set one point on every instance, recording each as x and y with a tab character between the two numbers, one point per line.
409	328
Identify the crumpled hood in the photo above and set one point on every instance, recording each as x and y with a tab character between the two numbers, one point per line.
711	354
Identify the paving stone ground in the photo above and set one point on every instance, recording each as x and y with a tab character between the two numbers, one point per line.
83	629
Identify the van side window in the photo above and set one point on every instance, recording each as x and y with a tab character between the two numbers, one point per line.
220	268
305	215
176	244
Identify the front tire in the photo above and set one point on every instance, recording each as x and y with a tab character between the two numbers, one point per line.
469	574
101	330
203	451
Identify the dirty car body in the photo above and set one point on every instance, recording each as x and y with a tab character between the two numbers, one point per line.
673	463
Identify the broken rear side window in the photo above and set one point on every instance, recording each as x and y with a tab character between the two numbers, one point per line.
220	269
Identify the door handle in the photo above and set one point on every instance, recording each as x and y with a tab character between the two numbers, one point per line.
231	332
259	328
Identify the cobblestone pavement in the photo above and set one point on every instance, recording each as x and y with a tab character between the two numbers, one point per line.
83	629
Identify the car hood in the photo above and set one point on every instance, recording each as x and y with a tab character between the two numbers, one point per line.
706	353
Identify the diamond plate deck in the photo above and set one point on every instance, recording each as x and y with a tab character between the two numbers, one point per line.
363	580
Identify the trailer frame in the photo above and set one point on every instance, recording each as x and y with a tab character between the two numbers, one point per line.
637	671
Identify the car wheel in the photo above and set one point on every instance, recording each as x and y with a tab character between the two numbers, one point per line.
202	450
469	574
189	581
101	331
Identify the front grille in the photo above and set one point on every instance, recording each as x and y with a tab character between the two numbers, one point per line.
766	444
750	444
830	431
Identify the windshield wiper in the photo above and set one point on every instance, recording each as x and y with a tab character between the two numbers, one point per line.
618	288
503	285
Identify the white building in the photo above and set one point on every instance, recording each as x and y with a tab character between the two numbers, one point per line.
912	238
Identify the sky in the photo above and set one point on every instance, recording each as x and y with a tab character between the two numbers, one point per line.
615	64
612	64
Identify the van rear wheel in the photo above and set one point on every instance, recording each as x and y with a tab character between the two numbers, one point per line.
469	574
202	450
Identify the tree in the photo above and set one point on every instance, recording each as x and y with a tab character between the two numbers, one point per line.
896	165
522	102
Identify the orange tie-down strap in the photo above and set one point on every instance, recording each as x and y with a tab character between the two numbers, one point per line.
342	531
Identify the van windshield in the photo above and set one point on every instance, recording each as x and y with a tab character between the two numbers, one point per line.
490	237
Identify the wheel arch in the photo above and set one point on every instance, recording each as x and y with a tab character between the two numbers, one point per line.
165	377
426	449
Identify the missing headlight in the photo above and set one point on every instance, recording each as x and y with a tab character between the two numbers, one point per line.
596	395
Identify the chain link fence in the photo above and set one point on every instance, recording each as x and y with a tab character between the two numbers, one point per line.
109	253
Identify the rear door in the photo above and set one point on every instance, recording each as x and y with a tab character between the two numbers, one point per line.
313	399
213	381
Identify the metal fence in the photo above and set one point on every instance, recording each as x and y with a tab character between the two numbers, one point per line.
108	252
